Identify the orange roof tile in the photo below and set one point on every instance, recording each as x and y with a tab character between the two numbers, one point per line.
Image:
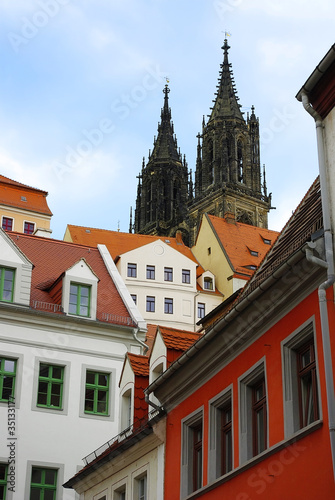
243	244
139	364
179	340
51	258
119	243
15	194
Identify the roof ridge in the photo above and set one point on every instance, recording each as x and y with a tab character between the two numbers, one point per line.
51	240
12	182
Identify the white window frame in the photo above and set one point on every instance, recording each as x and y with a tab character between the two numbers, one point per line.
136	478
187	424
126	408
214	438
245	384
289	347
78	275
46	465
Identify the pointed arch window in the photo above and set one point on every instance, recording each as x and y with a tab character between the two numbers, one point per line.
240	172
211	162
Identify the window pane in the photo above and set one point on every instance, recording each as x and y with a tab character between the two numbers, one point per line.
9	365
34	493
90	377
50	476
103	379
36	475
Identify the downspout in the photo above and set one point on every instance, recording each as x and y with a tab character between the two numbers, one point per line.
329	264
145	347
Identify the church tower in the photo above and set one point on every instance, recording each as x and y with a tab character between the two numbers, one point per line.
164	187
228	172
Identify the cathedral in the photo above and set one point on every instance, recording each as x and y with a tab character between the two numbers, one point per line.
228	179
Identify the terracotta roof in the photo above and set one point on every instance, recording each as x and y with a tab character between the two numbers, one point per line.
244	245
150	337
139	364
179	340
119	243
15	194
51	258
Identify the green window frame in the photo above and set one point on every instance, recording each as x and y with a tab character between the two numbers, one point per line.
7	378
50	386
80	299
7	284
3	481
97	392
43	485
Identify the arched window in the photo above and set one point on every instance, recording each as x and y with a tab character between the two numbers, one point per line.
240	173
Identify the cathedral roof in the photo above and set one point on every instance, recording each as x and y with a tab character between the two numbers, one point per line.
165	146
226	102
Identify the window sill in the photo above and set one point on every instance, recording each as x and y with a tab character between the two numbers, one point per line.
255	460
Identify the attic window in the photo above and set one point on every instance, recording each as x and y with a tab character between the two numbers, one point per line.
252	267
254	253
266	241
167	241
87	230
23	198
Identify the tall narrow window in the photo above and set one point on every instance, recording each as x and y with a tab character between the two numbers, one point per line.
307	384
168	274
43	484
168	306
201	310
96	392
226	439
259	417
142	488
150	304
50	386
132	270
150	272
79	300
240	172
29	228
197	456
3	481
186	276
7	378
6	284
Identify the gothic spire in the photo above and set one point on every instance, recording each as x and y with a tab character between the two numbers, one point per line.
226	102
165	146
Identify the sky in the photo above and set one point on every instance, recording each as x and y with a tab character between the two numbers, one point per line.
81	92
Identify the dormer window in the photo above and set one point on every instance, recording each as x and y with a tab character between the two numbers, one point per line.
266	241
79	300
254	253
208	283
6	284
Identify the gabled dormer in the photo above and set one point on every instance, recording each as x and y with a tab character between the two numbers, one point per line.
80	291
207	281
15	273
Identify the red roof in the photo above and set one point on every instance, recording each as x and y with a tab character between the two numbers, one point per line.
139	364
15	194
51	258
245	246
179	340
119	243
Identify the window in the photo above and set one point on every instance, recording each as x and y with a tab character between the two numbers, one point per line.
7	223
79	300
254	253
150	272
6	284
307	384
186	276
120	493
50	386
253	413
29	228
126	410
96	392
3	481
259	417
301	395
201	310
220	436
168	274
140	488
150	304
192	454
43	484
208	284
7	378
168	306
134	297
132	271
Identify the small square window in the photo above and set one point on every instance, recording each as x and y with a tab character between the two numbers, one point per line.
150	272
50	386
3	480
96	392
150	304
29	228
201	310
168	306
43	483
186	276
7	378
79	300
168	274
7	224
132	271
6	284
